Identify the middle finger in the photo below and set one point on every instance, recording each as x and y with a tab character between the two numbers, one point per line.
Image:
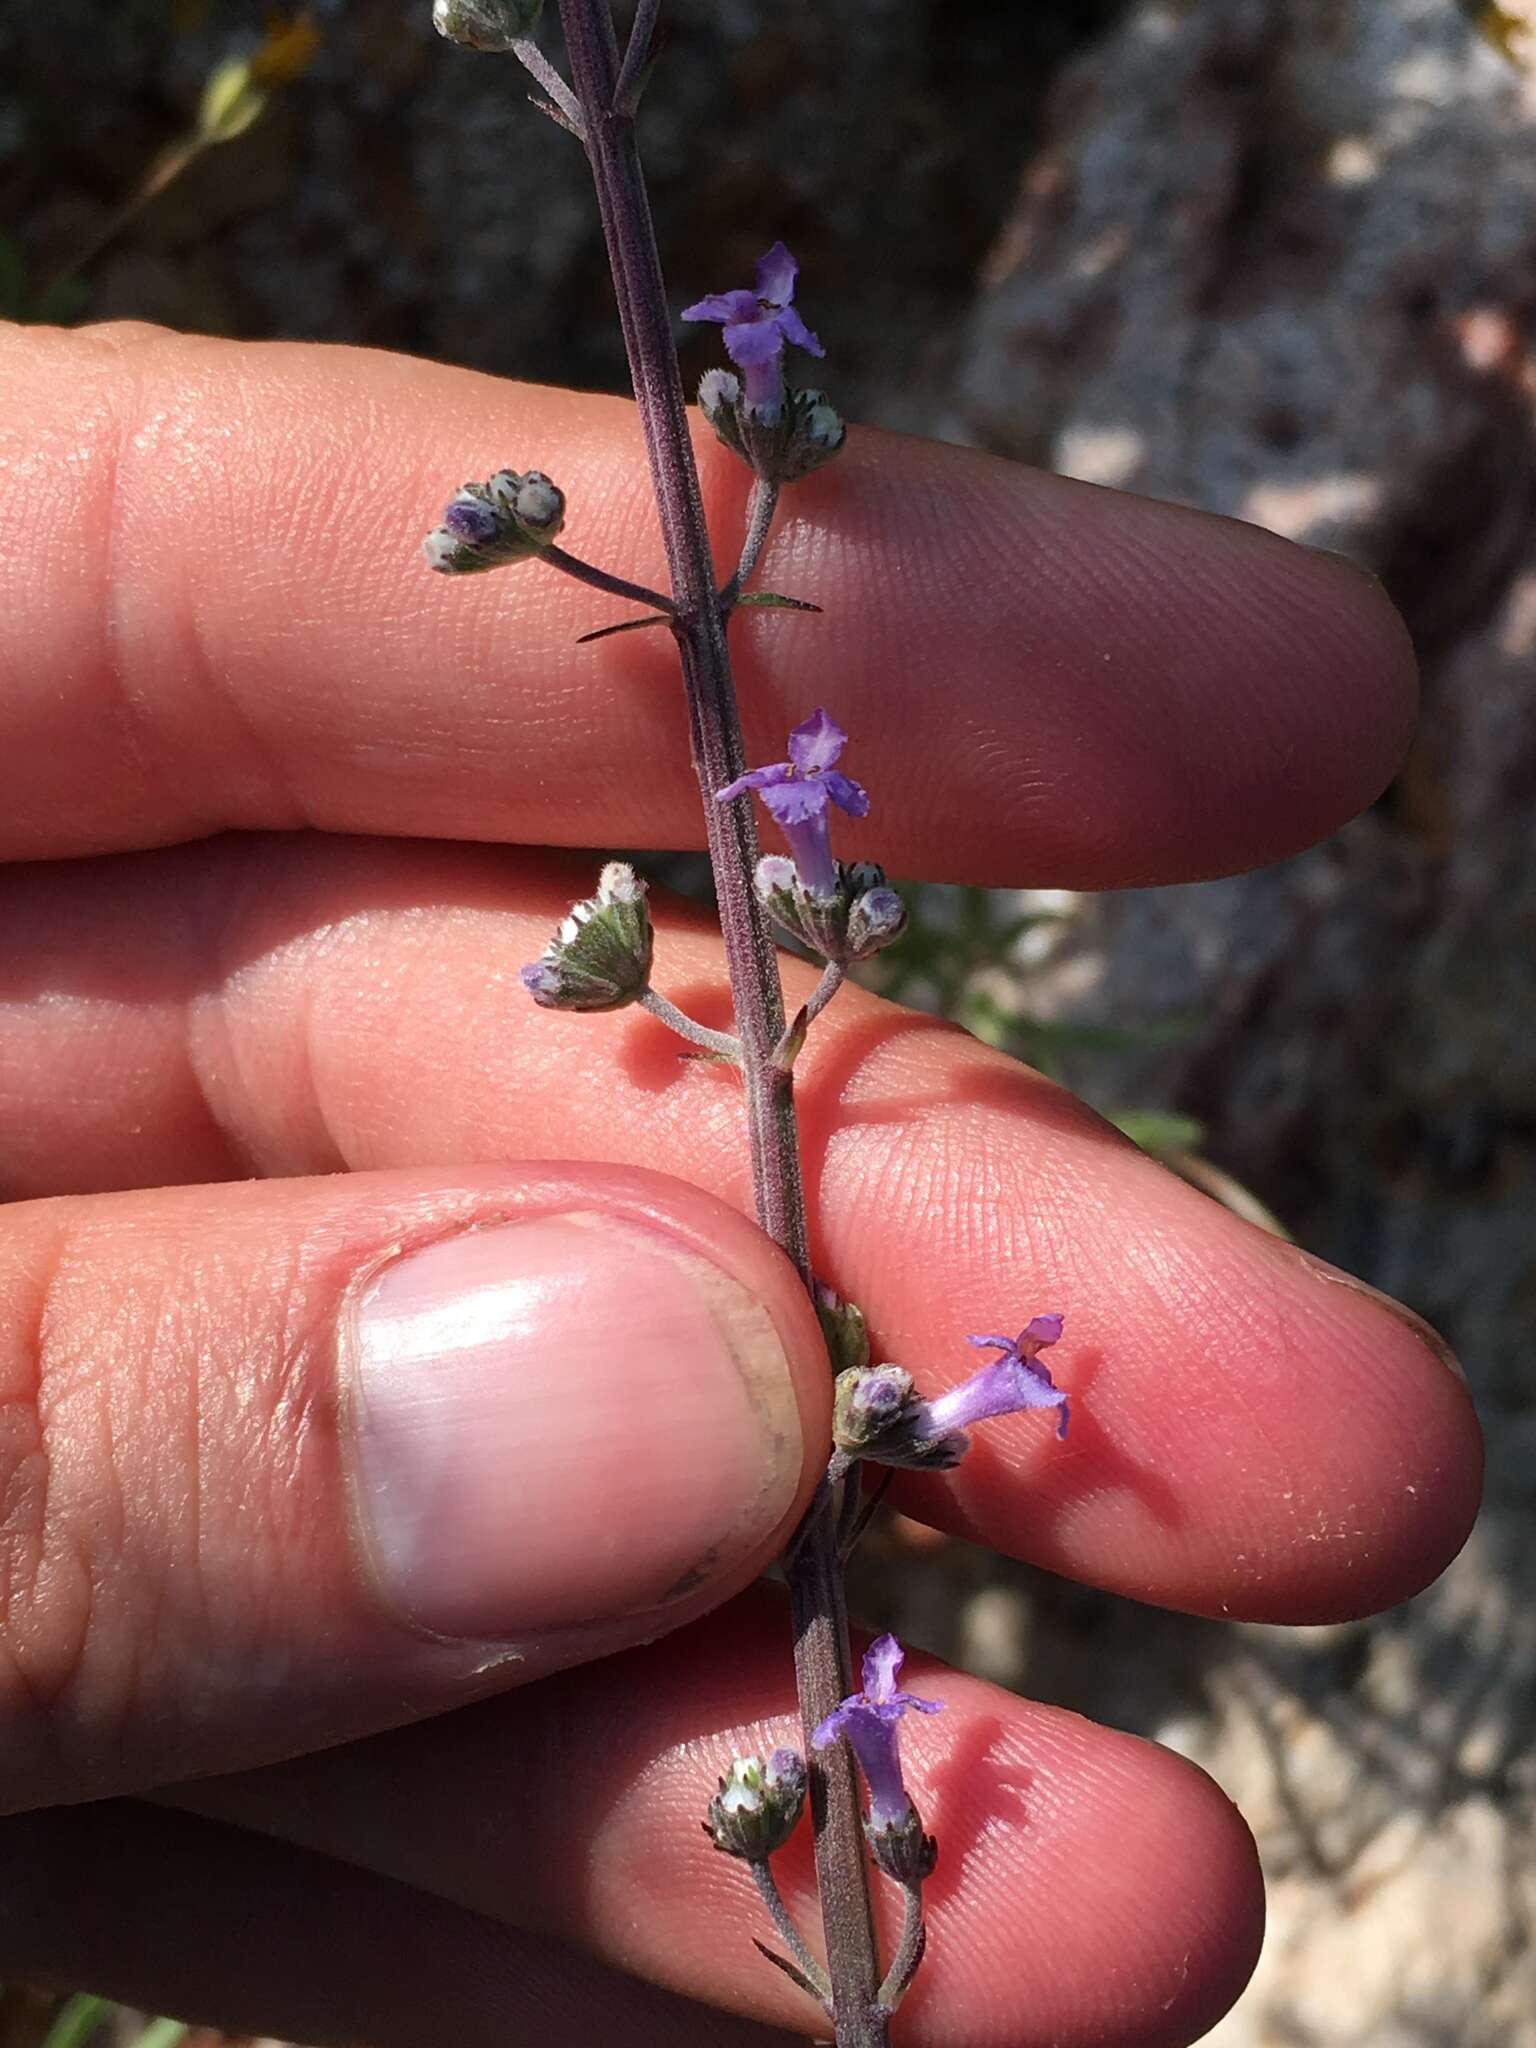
1250	1436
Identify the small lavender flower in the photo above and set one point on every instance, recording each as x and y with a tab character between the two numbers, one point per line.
757	326
1014	1381
796	793
868	1721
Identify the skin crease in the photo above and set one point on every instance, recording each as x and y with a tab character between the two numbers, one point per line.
179	657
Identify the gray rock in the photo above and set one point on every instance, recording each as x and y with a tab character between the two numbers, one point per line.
1275	259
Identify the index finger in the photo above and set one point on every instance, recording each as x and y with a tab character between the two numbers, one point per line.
214	613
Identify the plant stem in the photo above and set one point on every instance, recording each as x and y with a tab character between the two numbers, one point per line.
538	67
821	1636
768	1891
721	1043
599	579
642	35
832	978
909	1953
761	506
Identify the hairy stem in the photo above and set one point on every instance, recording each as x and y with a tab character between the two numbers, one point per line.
538	66
832	978
642	35
599	579
761	507
721	1043
909	1953
789	1933
698	625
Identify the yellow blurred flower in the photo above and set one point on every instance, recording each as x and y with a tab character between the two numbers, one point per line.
1510	25
287	50
238	90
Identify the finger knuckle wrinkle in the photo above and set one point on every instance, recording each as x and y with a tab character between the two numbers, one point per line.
58	1514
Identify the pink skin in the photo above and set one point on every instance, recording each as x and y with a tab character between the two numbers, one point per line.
1250	1434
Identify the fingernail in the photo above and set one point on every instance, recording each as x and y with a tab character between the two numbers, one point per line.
1426	1333
563	1421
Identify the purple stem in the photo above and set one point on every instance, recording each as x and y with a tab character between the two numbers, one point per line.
822	1663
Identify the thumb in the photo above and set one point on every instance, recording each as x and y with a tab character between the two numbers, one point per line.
282	1463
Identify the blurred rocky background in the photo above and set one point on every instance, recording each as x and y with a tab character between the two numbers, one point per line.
1272	257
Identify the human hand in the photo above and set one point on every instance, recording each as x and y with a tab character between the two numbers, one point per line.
290	1458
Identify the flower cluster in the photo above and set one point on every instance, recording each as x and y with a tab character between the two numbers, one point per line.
600	958
758	1805
879	1415
509	518
784	434
842	913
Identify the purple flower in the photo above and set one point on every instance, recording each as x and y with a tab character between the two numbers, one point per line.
1014	1381
868	1720
757	325
797	792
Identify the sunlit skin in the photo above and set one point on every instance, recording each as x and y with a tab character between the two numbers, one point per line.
276	805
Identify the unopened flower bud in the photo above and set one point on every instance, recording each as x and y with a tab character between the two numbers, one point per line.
859	916
758	1805
600	958
509	518
868	1404
784	437
843	1326
876	919
719	396
486	24
816	434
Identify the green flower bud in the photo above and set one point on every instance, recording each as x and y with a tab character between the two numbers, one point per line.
869	1403
486	24
843	1326
600	958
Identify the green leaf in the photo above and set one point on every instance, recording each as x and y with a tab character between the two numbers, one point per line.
774	602
76	2020
624	626
163	2033
1159	1130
